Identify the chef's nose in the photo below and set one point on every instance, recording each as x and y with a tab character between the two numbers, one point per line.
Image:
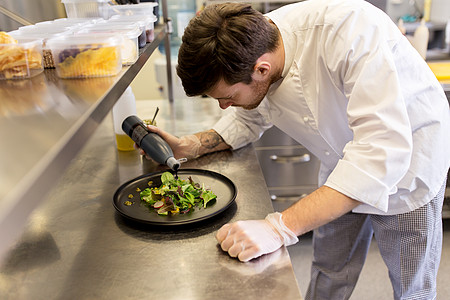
224	103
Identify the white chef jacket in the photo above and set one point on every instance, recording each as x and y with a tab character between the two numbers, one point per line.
357	95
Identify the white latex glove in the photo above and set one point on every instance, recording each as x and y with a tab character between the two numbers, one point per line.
187	146
250	239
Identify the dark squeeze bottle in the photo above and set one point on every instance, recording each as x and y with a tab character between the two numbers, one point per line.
154	145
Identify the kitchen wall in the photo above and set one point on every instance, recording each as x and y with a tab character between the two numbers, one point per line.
440	9
146	86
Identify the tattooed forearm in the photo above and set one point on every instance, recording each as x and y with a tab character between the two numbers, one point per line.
211	141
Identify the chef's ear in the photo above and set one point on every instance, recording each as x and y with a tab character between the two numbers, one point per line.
261	69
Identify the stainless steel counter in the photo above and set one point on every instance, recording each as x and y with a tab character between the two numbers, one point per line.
76	246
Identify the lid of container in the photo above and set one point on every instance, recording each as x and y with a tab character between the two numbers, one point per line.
54	26
17	34
27	27
75	23
137	18
130	31
44	29
133	9
142	5
25	43
78	20
107	25
25	39
44	23
140	24
151	4
14	32
83	1
106	39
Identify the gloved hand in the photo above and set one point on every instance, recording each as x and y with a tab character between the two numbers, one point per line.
250	239
185	147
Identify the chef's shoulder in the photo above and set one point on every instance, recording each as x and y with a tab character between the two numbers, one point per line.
337	14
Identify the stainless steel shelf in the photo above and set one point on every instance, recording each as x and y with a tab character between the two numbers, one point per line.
44	122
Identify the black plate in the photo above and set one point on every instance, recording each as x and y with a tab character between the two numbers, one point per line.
223	187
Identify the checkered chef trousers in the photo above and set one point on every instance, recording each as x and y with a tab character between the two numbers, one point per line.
410	244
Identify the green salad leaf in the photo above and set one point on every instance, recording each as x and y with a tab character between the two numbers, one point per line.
167	178
177	196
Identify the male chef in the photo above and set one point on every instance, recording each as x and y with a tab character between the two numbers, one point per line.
340	78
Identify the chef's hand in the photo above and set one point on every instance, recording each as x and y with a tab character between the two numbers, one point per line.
187	146
250	239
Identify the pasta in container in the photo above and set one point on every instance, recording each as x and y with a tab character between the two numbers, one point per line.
19	59
87	55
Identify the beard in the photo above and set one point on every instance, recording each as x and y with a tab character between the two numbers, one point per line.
260	89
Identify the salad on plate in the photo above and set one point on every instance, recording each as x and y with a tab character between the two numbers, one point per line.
177	196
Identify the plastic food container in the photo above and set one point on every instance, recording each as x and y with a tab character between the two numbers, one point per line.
20	61
86	55
147	23
37	33
86	8
47	28
129	48
65	23
76	21
146	9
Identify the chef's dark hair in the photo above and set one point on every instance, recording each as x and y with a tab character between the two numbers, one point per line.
223	42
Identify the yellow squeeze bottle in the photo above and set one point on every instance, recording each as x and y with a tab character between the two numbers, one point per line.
125	106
